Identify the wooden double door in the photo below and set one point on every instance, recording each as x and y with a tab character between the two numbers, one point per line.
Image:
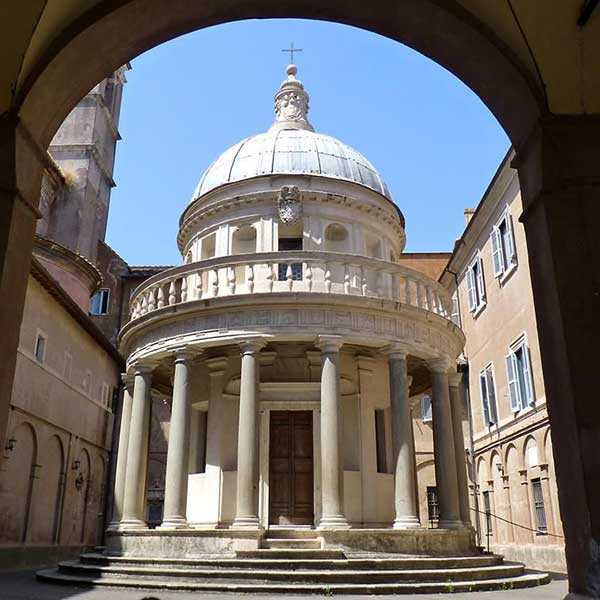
291	470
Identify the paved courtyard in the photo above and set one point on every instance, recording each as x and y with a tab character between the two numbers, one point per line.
22	585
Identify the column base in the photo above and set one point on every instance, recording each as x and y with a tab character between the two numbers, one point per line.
450	524
247	522
333	522
174	523
127	524
113	526
407	523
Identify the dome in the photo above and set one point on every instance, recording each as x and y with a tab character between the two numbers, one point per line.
293	152
291	147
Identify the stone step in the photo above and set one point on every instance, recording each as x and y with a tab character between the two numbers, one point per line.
315	576
296	544
287	533
397	563
168	583
291	553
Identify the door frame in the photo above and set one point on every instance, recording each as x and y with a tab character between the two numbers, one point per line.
299	396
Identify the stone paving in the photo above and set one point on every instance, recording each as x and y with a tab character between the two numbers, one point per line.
22	585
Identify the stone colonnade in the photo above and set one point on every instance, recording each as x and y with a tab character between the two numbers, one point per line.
132	458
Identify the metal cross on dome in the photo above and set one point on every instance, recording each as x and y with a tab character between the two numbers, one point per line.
291	50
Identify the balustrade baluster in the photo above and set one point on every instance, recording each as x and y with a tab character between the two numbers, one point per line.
363	281
346	278
395	291
270	268
308	277
232	280
161	296
250	278
184	289
199	285
379	282
151	301
144	305
289	277
215	282
419	294
172	296
428	297
327	279
407	293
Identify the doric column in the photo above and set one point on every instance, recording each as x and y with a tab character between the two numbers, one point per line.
176	479
332	482
247	458
402	443
456	406
121	467
443	444
137	450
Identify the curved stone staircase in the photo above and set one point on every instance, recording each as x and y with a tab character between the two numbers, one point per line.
298	565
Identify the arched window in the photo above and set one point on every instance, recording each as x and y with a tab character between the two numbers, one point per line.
243	240
336	238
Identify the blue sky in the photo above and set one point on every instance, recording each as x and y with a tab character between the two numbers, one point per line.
435	143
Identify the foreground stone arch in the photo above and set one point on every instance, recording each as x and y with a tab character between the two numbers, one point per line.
556	157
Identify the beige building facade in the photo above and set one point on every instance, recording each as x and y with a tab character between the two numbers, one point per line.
55	462
512	469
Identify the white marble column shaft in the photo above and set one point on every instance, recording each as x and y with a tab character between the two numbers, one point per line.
137	451
444	449
405	493
176	479
456	406
247	459
121	467
332	482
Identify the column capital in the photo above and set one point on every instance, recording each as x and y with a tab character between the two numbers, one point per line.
329	343
127	380
144	367
252	345
396	351
185	354
442	364
454	379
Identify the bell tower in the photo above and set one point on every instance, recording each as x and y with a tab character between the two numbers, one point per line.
84	151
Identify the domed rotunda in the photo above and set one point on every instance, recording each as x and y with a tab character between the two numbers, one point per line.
293	349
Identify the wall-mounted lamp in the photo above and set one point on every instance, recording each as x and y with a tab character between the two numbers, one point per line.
76	464
500	468
10	444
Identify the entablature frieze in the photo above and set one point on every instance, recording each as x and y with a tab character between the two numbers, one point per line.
371	324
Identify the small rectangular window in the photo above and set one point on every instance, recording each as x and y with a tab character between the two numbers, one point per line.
540	507
503	246
475	284
294	269
100	302
488	512
433	511
40	348
380	441
488	396
520	382
426	409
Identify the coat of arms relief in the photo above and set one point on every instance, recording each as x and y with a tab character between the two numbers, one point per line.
289	204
